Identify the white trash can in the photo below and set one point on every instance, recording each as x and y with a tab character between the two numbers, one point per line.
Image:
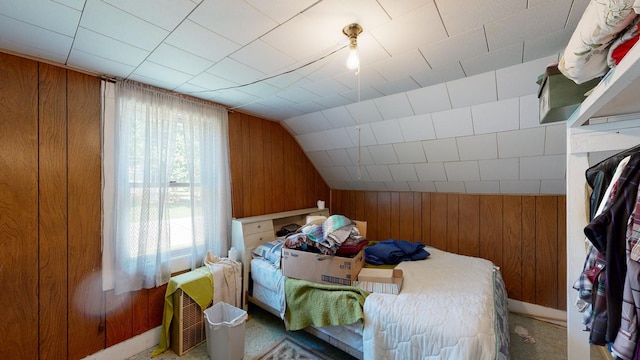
225	330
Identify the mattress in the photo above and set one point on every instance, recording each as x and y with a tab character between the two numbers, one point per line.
450	307
268	284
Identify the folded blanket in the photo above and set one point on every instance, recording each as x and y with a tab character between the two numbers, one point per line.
394	251
310	303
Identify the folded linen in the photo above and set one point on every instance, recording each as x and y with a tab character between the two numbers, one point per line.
394	251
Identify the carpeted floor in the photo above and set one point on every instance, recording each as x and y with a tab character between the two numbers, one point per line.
531	339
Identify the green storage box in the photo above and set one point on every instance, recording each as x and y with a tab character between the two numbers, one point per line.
558	96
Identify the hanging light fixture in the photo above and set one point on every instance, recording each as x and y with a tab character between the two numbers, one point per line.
352	31
353	63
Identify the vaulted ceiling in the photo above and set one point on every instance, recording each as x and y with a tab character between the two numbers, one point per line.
445	99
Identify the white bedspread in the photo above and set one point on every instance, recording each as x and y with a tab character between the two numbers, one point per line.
445	310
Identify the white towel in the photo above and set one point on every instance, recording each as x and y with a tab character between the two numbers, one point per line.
227	279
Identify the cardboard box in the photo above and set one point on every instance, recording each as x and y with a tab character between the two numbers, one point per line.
336	270
559	96
386	281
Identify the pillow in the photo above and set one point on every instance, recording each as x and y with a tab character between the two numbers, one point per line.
270	251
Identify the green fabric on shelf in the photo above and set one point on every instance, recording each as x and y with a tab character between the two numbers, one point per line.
198	284
310	303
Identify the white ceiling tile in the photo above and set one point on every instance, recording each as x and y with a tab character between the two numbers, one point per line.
91	62
556	139
411	63
115	23
364	112
108	48
430	172
478	147
394	106
543	167
358	173
422	186
307	106
339	117
152	70
473	90
529	111
208	81
383	154
366	135
532	22
259	89
493	60
463	46
200	41
429	99
547	44
286	80
332	101
339	138
44	14
396	8
462	171
235	71
501	169
529	142
326	87
308	123
271	60
154	80
482	187
397	85
320	158
178	59
403	172
317	40
460	16
336	173
397	185
166	14
441	150
417	127
379	172
297	95
312	141
520	186
556	187
33	40
339	157
420	26
450	187
387	132
74	4
451	123
363	153
440	75
282	10
410	152
520	80
496	116
226	17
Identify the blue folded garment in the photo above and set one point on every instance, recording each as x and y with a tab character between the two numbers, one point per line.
394	251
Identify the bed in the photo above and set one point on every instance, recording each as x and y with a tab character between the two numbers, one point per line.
450	307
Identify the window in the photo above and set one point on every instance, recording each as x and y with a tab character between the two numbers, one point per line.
171	187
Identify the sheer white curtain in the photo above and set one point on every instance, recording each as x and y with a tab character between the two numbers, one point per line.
160	137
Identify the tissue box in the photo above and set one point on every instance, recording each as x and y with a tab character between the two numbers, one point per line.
386	281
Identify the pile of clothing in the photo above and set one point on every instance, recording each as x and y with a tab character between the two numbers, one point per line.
335	235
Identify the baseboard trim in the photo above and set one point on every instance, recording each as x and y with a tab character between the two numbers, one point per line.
129	347
543	313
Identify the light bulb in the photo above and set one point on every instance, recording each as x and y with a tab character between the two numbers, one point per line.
353	61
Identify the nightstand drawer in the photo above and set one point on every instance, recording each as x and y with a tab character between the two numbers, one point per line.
256	227
254	240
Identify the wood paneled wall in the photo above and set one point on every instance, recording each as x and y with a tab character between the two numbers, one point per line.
524	235
50	178
269	171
